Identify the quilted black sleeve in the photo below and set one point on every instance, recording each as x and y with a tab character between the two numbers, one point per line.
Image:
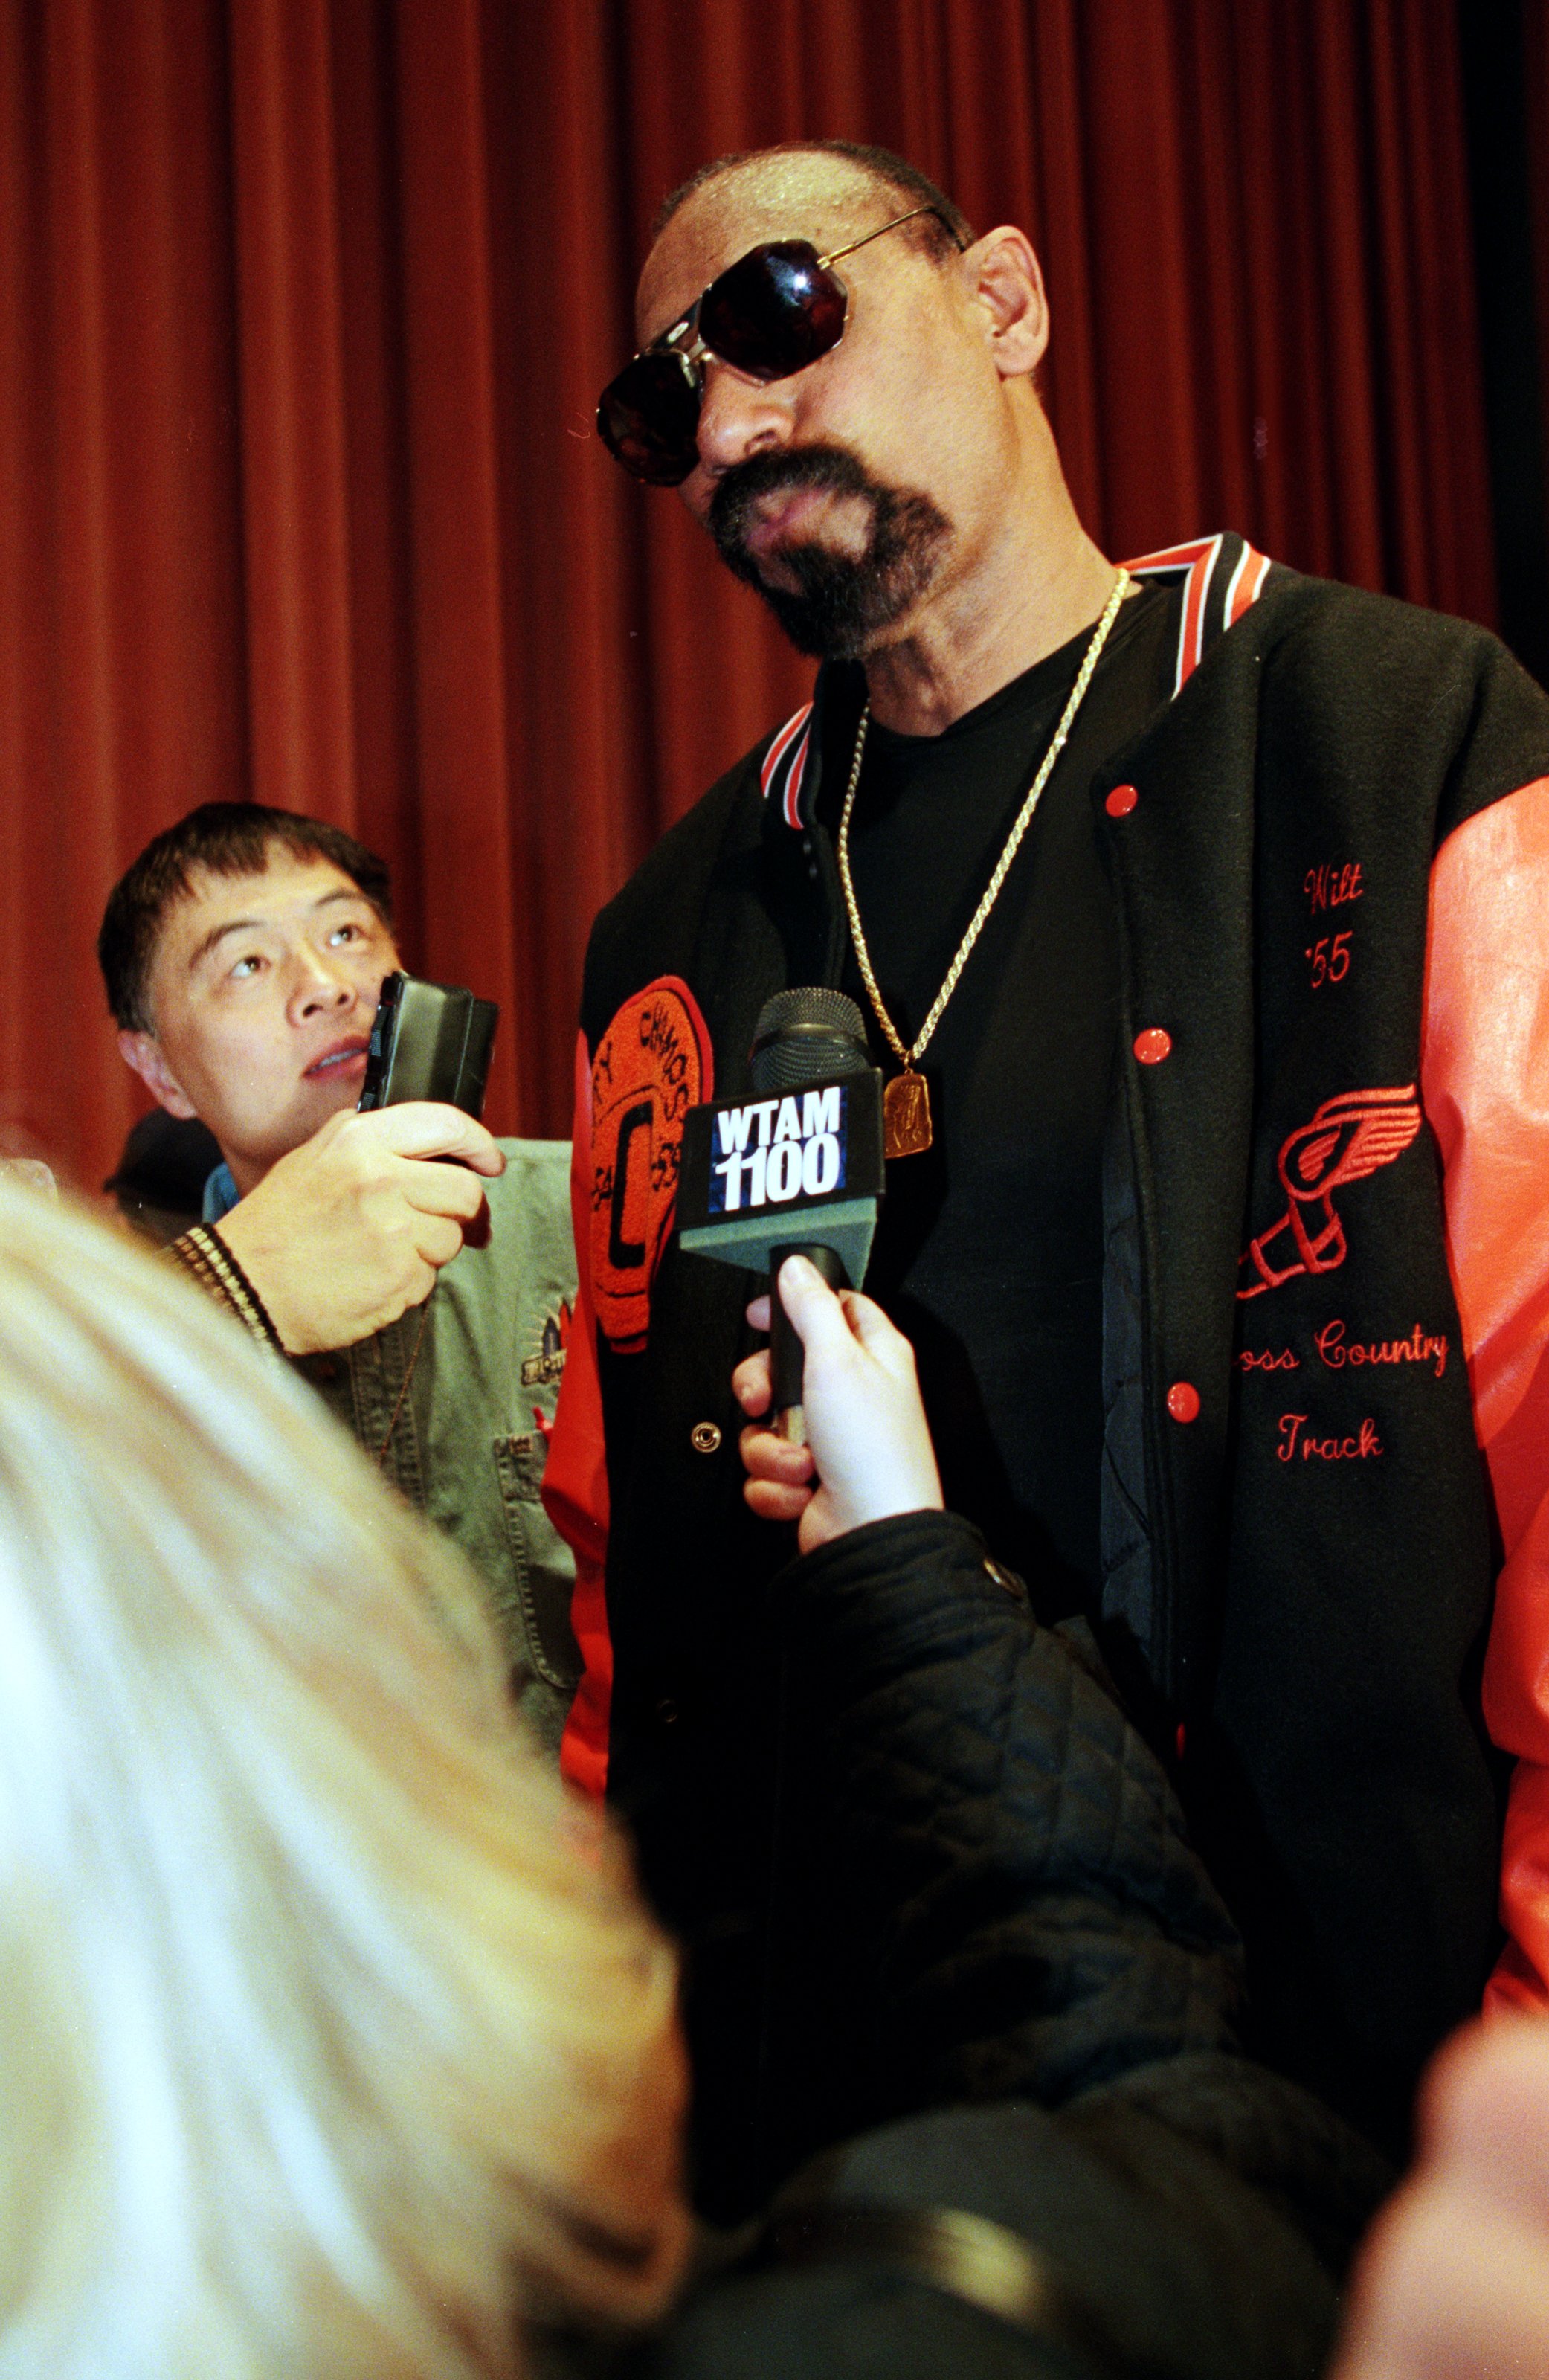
983	1884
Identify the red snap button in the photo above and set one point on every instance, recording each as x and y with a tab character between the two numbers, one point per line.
1183	1400
1121	801
1153	1045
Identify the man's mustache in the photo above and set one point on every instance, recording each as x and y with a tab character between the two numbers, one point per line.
832	469
832	603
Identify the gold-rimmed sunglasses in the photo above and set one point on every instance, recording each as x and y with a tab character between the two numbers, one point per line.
773	312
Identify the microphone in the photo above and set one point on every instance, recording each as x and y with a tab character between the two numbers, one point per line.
795	1171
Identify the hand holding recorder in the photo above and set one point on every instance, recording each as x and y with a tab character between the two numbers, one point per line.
348	1230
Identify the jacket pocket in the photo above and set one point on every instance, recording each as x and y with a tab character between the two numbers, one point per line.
540	1562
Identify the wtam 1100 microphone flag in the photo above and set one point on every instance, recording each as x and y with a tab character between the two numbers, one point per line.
797	1170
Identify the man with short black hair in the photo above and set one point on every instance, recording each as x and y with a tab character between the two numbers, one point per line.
1181	899
244	954
224	839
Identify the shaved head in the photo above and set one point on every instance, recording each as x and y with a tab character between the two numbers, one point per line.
884	171
828	192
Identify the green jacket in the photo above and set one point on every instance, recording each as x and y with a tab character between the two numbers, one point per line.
471	1435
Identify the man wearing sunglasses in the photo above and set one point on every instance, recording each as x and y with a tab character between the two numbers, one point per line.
1180	900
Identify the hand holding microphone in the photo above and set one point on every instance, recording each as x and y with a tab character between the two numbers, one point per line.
788	1183
869	1453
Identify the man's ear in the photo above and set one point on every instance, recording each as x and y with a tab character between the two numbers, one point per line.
142	1051
1007	281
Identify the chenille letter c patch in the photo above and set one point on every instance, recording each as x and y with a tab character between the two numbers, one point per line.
652	1064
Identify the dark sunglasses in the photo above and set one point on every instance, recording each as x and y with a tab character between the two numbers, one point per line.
773	312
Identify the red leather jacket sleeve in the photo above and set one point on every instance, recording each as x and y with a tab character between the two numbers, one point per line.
1485	1078
576	1478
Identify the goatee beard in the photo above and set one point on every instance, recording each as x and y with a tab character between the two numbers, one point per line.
841	603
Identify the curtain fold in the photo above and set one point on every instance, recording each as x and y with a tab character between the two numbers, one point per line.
304	307
290	361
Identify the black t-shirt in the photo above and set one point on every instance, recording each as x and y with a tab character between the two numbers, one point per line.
988	1253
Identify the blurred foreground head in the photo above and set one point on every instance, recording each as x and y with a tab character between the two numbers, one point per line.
332	2033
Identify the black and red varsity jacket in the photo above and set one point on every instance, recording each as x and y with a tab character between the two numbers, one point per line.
1327	1293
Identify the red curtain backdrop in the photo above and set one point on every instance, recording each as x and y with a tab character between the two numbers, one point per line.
303	313
1535	49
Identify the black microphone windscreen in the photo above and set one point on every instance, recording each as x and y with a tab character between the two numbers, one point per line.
799	1164
812	1034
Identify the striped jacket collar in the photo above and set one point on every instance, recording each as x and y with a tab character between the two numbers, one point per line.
1223	576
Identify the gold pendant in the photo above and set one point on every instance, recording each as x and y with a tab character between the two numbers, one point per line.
905	1115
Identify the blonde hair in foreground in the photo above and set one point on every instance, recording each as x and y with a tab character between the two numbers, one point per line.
332	2033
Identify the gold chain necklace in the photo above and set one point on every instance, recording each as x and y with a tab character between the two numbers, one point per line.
906	1125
